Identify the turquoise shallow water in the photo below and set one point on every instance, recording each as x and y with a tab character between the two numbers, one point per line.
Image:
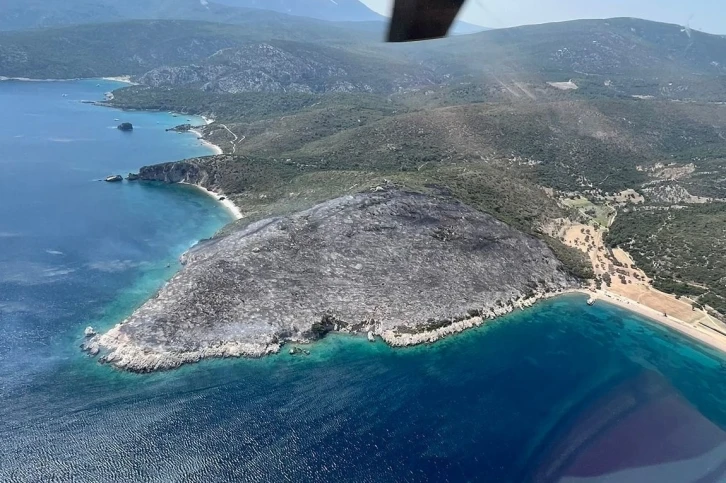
498	403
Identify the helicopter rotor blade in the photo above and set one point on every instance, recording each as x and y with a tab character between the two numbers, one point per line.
422	19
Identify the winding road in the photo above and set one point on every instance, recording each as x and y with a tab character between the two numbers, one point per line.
234	141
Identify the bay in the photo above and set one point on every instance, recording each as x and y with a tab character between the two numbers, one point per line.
73	249
505	402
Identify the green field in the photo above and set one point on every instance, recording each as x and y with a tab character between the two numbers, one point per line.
599	214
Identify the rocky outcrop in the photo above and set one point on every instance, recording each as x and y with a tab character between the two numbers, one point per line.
256	68
278	67
180	128
116	178
126	126
407	267
671	193
209	172
432	334
196	171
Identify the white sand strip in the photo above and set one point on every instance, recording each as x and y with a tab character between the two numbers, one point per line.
705	336
216	149
226	202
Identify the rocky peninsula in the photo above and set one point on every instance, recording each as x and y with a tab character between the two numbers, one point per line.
408	267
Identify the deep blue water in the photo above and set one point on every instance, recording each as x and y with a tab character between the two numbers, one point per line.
493	404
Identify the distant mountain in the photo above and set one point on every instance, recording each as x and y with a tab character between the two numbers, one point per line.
285	67
611	46
272	53
338	10
135	47
464	28
30	14
611	58
604	47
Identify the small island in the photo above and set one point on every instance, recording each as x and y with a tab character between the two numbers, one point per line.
115	178
125	126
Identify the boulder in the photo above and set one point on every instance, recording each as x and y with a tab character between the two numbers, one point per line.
114	178
125	126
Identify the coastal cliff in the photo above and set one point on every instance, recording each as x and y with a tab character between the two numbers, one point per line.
196	171
408	267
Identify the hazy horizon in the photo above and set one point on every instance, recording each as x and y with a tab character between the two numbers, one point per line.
706	15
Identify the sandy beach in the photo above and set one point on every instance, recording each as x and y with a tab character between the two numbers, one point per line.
702	335
123	78
126	79
26	79
216	149
631	289
226	202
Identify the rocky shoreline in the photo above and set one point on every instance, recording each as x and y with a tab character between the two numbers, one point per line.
201	172
394	339
124	355
407	267
197	172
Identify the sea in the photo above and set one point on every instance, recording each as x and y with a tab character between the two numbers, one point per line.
559	392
